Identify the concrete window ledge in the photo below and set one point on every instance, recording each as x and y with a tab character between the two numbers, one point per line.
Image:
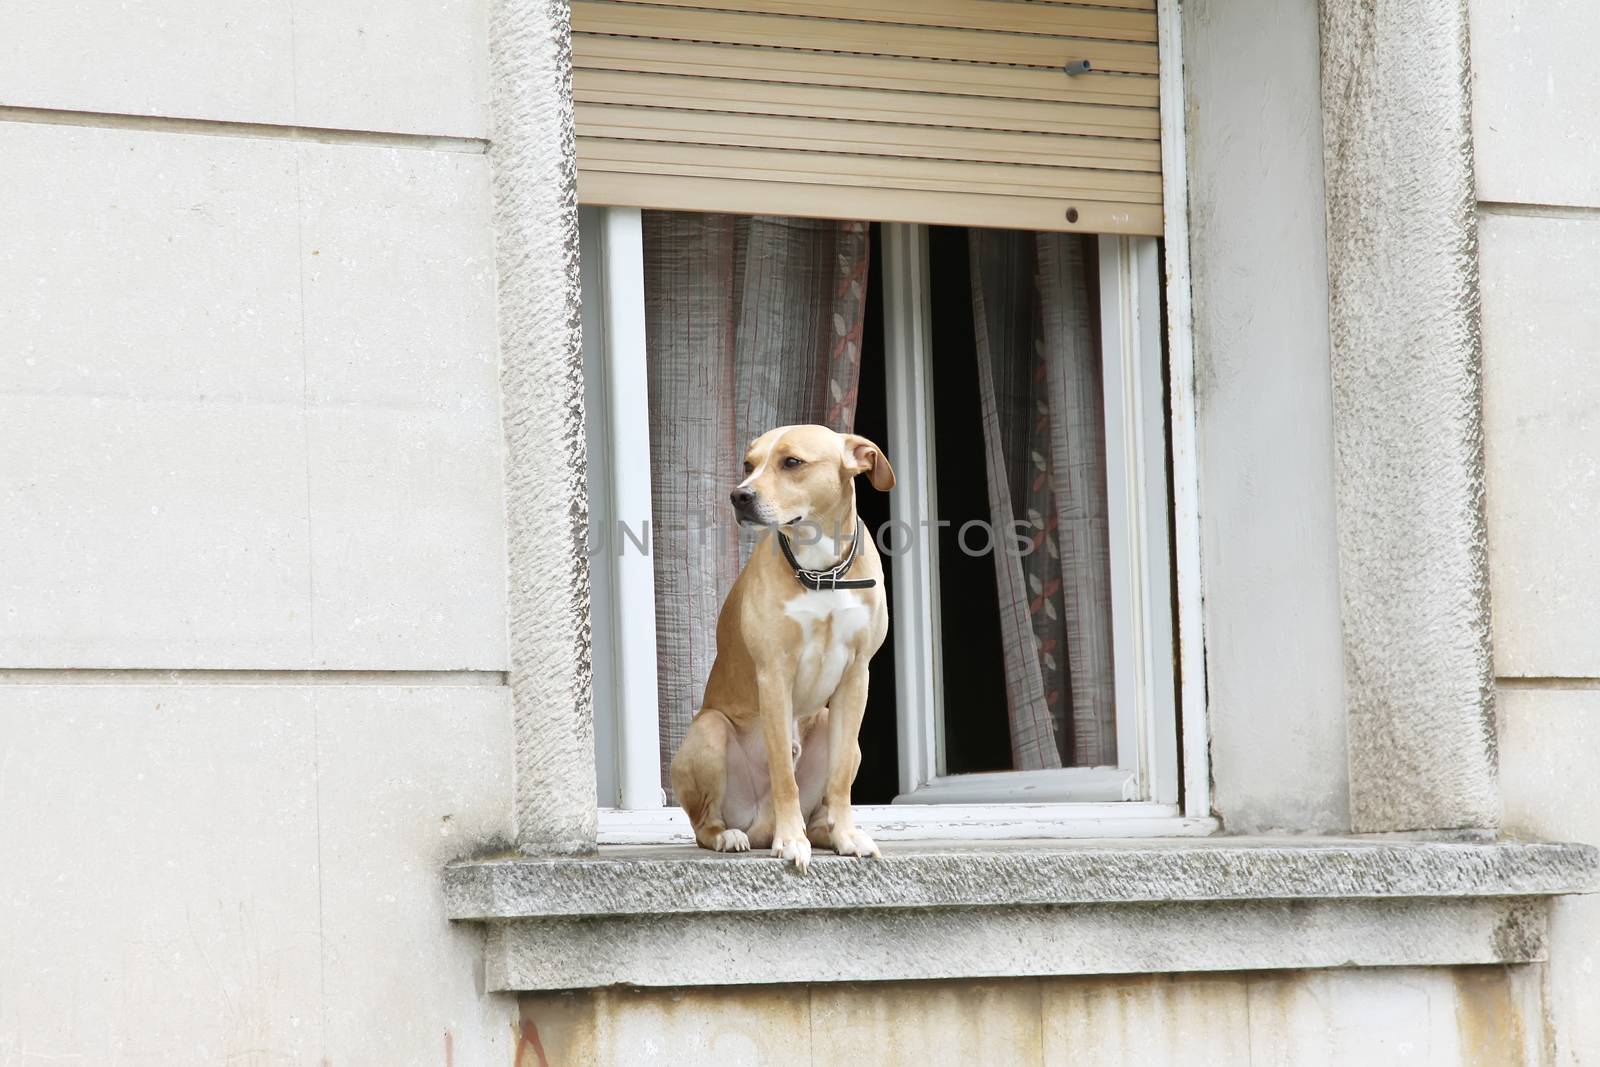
673	915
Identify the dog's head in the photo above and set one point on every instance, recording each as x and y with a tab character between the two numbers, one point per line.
796	473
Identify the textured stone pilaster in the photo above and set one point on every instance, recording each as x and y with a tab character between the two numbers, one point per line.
534	165
1403	314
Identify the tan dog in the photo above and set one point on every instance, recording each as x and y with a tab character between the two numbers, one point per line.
771	756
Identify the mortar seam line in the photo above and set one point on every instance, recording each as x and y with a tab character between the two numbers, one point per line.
246	676
265	131
1515	209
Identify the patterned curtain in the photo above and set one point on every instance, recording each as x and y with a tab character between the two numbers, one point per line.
1039	383
750	323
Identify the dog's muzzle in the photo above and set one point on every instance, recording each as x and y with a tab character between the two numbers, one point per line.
746	507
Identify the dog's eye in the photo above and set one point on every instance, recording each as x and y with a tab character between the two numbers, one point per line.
792	462
749	467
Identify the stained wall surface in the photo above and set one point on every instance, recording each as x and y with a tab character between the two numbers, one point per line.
1435	1016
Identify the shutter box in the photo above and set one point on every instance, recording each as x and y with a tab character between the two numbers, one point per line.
952	112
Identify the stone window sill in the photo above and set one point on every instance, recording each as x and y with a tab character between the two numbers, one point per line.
676	915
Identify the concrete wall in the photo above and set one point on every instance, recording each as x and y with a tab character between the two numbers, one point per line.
253	579
252	542
1536	93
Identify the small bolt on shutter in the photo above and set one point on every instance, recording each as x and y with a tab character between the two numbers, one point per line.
1021	114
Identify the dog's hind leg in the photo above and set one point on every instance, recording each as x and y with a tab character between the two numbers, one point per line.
700	781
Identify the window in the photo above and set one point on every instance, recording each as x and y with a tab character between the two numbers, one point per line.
1033	694
896	302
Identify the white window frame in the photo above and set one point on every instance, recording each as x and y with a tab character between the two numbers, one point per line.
1136	482
1142	796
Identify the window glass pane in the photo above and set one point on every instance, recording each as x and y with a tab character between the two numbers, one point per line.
1020	454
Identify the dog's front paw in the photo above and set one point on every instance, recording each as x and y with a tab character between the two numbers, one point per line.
732	841
848	841
793	848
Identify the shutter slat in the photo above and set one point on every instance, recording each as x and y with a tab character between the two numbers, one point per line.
935	111
829	35
650	157
866	138
602	87
596	52
1009	16
967	208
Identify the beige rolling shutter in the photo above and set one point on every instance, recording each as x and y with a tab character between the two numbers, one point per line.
940	111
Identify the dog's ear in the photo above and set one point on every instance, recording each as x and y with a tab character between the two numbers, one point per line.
861	456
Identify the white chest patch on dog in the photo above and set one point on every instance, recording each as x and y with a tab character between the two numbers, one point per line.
829	621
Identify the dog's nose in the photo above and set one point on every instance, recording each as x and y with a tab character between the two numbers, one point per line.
741	497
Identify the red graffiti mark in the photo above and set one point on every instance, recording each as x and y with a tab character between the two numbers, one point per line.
530	1040
449	1050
